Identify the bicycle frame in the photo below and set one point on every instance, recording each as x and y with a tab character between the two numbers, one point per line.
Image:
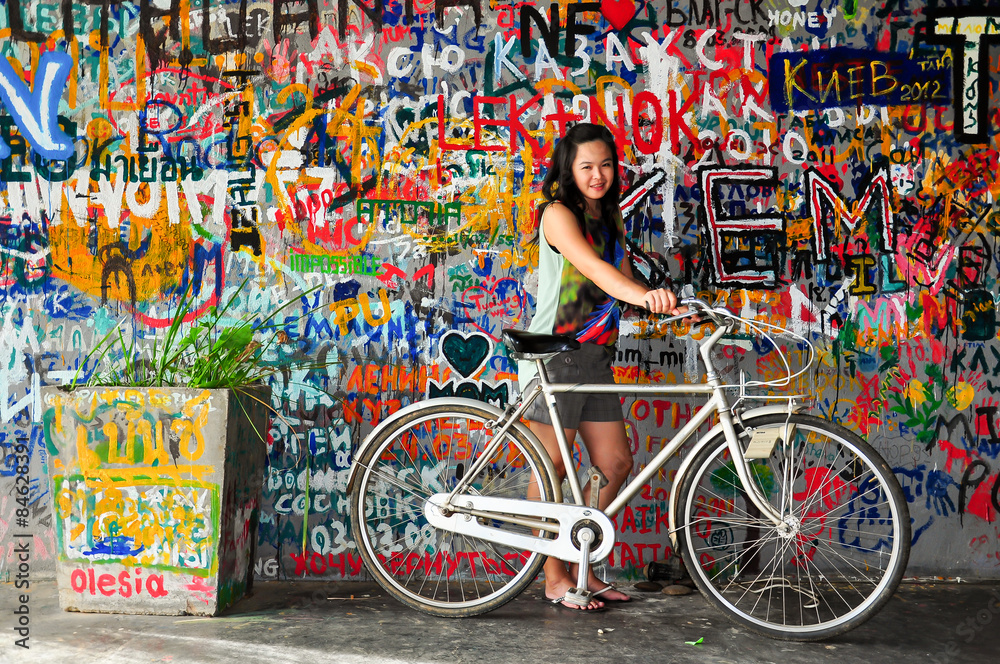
717	403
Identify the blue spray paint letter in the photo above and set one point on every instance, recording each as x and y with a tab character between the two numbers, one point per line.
36	112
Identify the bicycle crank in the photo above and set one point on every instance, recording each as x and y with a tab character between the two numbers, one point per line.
485	517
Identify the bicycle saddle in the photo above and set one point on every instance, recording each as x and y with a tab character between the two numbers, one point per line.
527	342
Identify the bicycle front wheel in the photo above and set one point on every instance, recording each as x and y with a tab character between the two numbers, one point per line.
838	554
429	451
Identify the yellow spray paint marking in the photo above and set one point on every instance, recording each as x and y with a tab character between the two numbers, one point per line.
961	396
915	392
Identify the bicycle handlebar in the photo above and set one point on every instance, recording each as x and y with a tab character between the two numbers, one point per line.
699	307
723	317
695	302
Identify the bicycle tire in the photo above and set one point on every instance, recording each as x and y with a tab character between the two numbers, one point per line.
428	569
841	550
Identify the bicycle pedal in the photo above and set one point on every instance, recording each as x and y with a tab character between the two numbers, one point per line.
597	480
578	596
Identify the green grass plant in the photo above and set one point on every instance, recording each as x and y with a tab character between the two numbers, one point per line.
216	351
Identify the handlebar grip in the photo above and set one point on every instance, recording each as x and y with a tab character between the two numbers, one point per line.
700	307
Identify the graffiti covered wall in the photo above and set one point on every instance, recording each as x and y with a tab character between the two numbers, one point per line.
824	165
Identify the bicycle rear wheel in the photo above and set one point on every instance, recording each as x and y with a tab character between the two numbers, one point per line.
839	553
429	569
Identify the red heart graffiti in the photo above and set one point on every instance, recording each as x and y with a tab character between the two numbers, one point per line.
498	303
618	12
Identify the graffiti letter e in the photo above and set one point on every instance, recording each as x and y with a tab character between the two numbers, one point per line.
36	112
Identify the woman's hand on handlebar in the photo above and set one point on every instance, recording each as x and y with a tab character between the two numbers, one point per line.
662	301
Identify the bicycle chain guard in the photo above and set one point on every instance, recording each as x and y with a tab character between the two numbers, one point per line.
474	516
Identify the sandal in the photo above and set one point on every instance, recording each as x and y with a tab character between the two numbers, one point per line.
607	600
558	602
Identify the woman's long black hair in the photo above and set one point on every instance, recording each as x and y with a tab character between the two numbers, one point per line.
559	184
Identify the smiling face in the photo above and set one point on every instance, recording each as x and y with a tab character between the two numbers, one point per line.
593	171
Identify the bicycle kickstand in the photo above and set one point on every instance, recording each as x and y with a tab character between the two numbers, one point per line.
586	536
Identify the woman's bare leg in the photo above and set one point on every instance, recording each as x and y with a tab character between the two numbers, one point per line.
557	575
608	448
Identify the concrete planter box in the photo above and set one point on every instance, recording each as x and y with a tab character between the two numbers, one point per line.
156	496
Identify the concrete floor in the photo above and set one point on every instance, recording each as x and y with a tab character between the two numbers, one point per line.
316	622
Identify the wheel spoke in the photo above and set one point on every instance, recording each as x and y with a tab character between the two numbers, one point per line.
877	487
732	522
770	586
416	506
864	532
819	595
837	592
501	473
405	486
722	547
757	546
818	493
850	563
726	500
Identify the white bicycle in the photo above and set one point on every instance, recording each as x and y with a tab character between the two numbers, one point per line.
790	524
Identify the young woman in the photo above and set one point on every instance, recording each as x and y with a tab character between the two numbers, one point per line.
583	275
